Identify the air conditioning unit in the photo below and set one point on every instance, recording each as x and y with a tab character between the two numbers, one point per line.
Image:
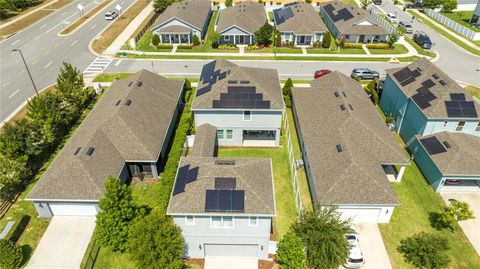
299	164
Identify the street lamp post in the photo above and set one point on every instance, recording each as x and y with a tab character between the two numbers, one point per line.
28	70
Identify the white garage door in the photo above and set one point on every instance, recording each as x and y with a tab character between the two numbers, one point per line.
73	209
358	215
231	250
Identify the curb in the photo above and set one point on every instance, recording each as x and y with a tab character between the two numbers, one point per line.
85	22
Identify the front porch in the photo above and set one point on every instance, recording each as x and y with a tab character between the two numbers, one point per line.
175	38
237	39
392	173
364	39
259	138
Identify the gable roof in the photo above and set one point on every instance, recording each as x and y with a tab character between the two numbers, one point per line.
218	76
299	18
462	158
354	175
205	141
346	19
253	175
414	79
129	123
193	12
248	16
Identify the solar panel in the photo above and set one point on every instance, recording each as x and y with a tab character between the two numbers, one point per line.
180	182
262	104
405	76
432	145
442	82
407	81
244	81
192	175
420	101
427	94
469	113
452	104
342	14
460	109
238	201
467	105
457	96
232	82
222	75
203	90
241	89
454	113
225	183
428	83
211	201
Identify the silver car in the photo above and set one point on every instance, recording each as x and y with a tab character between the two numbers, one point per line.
355	256
406	26
364	73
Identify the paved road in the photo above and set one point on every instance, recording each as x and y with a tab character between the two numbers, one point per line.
455	61
45	51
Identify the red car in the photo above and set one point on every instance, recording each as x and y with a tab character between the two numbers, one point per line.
321	73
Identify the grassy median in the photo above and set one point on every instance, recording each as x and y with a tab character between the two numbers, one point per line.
72	27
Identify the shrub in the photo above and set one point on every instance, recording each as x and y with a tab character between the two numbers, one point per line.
352	45
277	38
264	34
155	40
287	92
378	46
290	252
392	39
11	255
164	46
228	3
251	47
185	46
195	40
327	40
425	250
227	47
456	211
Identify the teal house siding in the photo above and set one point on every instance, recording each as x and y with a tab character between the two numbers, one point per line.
412	123
426	165
393	101
329	23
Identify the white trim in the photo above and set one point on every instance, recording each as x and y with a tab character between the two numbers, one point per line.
187	221
235	26
250	221
226	134
222	222
158	27
223	134
251	115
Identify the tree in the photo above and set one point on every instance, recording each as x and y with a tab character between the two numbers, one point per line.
23	138
228	3
277	38
449	5
155	39
392	39
70	87
323	234
11	255
12	174
161	5
195	40
287	92
214	37
156	242
290	252
432	4
327	40
425	250
364	3
264	35
117	215
455	212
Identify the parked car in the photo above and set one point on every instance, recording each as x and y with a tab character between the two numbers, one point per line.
321	73
377	2
355	257
423	40
364	73
110	15
392	18
416	5
406	26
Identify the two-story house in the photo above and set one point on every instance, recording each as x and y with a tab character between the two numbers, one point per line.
127	134
245	104
423	100
224	207
350	156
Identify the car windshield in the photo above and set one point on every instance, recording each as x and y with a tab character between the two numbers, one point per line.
356	260
350	237
408	26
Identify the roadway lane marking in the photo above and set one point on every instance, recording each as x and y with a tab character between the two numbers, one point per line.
20	73
73	43
34	62
6	83
36	37
16	42
46	66
93	26
13	94
56	45
46	53
118	62
43	26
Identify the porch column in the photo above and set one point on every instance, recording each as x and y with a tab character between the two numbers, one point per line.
189	39
358	38
234	39
400	173
154	170
161	39
295	41
179	38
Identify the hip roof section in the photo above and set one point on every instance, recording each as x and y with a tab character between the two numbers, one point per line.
248	16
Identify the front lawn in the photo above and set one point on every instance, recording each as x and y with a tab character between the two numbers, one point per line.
397	49
475	91
273	49
419	49
109	77
417	200
335	51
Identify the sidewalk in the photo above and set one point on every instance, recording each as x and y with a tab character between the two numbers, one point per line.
41	6
446	29
128	32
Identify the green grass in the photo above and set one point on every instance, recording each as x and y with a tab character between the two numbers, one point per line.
273	49
270	16
109	77
461	17
419	49
143	43
350	2
335	51
284	196
475	91
445	33
397	49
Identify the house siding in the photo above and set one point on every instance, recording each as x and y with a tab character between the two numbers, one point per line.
233	120
426	165
175	22
198	235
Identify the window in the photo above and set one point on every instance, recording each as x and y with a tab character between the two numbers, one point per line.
460	126
226	38
252	221
478	127
222	222
190	220
220	135
230	134
247	115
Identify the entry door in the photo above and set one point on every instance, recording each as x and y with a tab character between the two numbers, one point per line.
175	39
361	39
242	39
302	39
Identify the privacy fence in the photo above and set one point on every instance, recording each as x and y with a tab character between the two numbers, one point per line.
455	26
292	164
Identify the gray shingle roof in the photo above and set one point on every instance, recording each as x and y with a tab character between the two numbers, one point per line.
350	26
355	175
437	110
193	12
205	141
248	16
305	20
463	156
117	133
176	29
265	80
254	175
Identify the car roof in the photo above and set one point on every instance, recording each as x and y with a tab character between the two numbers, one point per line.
361	69
355	252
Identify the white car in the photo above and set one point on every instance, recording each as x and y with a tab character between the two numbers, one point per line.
392	18
355	257
407	26
110	15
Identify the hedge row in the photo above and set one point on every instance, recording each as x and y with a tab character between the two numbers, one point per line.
185	46
352	45
378	46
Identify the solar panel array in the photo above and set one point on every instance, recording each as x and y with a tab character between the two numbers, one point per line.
185	175
432	145
209	77
225	201
241	97
406	76
342	14
282	14
458	107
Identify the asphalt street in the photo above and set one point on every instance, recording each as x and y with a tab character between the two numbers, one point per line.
44	52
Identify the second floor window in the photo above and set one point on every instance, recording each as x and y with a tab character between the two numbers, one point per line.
222	222
460	126
253	221
247	115
190	220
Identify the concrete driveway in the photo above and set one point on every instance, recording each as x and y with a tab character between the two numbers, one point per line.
471	228
231	263
372	246
63	244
